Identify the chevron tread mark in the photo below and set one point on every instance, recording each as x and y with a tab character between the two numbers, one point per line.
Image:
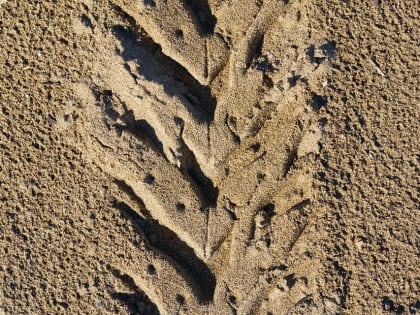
201	118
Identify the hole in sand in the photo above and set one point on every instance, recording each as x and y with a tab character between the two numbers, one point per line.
151	270
149	179
318	101
149	3
180	207
180	299
179	34
255	147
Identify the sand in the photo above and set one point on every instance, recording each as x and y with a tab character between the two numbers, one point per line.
209	157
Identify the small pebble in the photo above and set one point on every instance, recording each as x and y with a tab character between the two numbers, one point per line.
98	304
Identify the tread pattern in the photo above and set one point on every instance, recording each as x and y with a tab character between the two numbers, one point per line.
207	137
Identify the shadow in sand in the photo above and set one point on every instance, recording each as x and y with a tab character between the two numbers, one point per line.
165	241
205	20
157	67
136	301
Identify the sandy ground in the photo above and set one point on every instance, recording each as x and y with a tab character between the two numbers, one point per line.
209	157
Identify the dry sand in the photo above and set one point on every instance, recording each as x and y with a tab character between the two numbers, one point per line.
209	157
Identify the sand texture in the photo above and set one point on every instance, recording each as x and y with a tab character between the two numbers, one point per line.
209	157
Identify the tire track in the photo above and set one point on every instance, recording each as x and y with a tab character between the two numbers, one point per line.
170	125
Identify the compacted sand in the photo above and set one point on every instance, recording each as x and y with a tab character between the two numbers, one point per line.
209	157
